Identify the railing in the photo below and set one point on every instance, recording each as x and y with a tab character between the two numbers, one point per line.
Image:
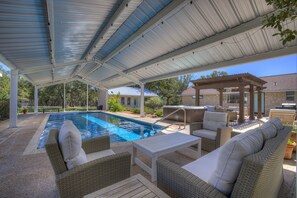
185	117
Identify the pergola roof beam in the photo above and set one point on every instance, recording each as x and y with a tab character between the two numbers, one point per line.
101	35
166	12
6	62
257	57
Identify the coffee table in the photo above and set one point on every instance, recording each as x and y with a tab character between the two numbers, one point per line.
157	146
136	186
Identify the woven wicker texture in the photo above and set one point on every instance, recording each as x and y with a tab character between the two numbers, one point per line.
260	175
90	176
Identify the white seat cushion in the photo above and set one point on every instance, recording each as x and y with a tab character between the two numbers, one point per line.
214	120
231	157
269	130
204	133
70	143
204	166
100	154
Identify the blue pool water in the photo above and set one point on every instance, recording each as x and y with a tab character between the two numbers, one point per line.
94	124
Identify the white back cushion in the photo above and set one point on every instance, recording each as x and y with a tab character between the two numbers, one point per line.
231	157
269	130
70	143
214	120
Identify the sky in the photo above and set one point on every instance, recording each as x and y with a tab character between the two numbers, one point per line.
269	67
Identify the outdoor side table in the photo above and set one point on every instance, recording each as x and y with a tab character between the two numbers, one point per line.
157	146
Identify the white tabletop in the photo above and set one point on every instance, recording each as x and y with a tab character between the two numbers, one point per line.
163	142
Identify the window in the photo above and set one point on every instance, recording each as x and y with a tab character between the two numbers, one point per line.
122	100
129	101
135	102
234	98
145	99
290	96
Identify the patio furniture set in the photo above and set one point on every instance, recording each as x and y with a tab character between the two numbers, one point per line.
252	161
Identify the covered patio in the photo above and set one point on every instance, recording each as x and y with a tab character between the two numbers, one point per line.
109	44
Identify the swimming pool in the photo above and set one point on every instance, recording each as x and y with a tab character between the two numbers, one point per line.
94	124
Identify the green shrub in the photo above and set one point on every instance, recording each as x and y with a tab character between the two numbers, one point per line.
114	104
4	109
148	110
159	113
127	109
154	102
136	110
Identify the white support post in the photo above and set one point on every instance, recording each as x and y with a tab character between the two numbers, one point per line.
64	98
35	99
106	100
13	99
87	97
142	100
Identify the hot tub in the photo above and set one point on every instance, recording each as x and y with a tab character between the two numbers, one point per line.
194	113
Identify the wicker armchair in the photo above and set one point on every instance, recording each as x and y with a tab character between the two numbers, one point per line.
220	135
90	176
260	174
287	116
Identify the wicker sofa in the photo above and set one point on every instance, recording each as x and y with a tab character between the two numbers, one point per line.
91	176
260	174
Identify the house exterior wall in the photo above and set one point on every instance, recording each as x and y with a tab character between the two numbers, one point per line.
274	99
132	101
188	100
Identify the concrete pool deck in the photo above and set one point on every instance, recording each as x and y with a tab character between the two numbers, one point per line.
31	175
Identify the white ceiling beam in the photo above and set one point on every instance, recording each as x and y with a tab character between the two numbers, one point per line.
166	12
6	62
246	59
93	47
51	29
37	69
257	22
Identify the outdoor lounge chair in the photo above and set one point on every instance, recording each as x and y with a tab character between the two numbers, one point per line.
90	176
286	116
213	131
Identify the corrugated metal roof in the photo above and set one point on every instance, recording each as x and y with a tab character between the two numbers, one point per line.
146	40
131	91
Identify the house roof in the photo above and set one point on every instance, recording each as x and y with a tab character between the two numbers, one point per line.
284	82
117	43
287	82
131	91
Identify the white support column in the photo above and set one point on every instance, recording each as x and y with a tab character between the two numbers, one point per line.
64	98
35	99
106	100
13	99
142	100
87	97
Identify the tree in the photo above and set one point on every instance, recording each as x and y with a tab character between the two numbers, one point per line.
287	12
170	89
215	74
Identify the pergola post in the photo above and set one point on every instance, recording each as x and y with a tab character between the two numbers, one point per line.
13	99
197	96
259	103
252	102
241	104
87	97
221	97
35	99
64	98
142	100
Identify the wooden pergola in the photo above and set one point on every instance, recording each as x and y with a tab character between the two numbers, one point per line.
241	83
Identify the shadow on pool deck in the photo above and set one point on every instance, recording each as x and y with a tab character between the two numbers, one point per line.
32	175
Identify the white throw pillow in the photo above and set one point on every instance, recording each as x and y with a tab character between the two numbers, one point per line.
277	123
214	120
269	130
231	157
70	143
